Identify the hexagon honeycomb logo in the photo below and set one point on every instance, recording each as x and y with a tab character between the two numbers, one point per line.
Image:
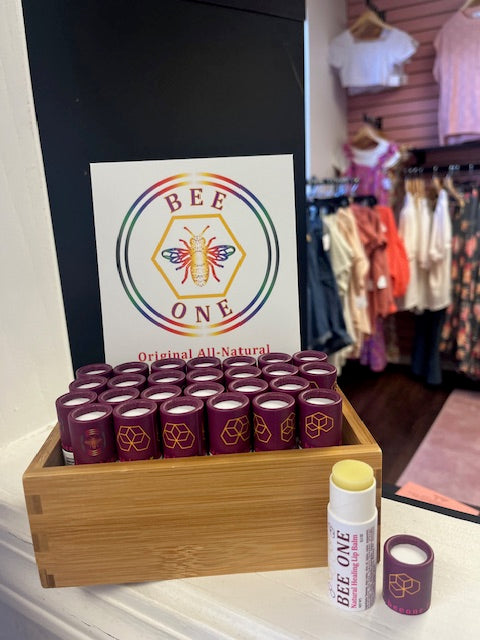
178	435
401	584
316	423
183	245
236	429
287	428
133	437
198	257
262	432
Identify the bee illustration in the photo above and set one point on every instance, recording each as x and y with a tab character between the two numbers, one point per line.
198	257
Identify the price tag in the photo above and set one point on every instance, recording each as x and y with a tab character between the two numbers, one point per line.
361	302
382	283
326	242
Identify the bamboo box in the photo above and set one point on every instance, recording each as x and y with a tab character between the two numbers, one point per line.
174	518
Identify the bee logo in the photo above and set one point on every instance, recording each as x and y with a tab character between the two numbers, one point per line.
198	257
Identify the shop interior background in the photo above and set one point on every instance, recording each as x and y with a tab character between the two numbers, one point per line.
35	338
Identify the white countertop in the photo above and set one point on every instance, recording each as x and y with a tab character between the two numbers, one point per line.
274	605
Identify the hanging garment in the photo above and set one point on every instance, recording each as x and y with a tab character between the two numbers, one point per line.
370	167
341	258
326	329
424	215
374	352
357	292
396	253
408	230
439	289
426	346
371	65
379	288
461	332
414	229
456	70
427	236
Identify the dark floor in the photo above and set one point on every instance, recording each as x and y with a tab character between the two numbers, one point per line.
397	408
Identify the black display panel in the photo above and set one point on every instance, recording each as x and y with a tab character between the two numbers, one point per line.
116	80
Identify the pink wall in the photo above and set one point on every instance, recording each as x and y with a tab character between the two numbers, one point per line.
409	113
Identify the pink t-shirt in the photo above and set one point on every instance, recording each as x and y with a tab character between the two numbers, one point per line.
457	70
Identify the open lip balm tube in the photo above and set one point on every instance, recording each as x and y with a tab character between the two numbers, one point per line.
207	374
159	393
165	364
117	396
321	374
93	383
251	387
229	428
140	368
239	361
278	370
274	357
65	405
136	430
319	418
274	421
241	373
203	362
204	391
309	355
97	369
91	433
352	522
182	426
167	376
127	381
293	385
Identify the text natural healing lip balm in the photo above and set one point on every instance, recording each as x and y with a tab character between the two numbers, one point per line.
352	535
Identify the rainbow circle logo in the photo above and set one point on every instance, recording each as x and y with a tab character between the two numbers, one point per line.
197	254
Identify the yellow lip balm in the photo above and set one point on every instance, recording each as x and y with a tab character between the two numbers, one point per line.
352	475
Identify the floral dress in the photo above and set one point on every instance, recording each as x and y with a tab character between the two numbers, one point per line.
461	332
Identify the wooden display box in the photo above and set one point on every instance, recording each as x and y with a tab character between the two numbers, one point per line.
160	519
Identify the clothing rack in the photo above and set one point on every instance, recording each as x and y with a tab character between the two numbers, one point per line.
451	169
314	181
331	204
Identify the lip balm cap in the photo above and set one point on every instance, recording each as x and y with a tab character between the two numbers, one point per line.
407	579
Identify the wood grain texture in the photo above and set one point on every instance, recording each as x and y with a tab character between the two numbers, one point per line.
160	519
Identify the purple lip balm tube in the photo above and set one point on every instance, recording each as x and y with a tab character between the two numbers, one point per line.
274	421
229	428
182	426
98	369
65	405
91	433
136	430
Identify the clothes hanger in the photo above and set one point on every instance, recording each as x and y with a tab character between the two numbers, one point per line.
450	187
367	137
369	26
470	3
420	187
436	182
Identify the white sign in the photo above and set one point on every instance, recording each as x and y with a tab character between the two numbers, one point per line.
196	257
